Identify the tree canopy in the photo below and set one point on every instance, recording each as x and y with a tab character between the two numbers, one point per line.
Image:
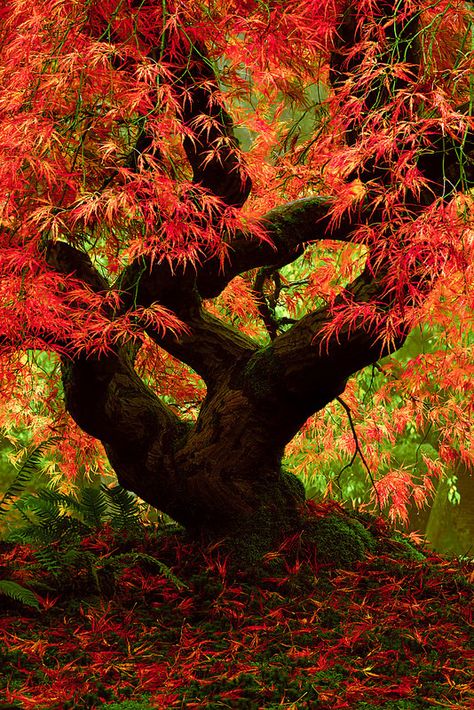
212	215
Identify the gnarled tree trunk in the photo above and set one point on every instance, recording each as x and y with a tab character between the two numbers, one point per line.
222	474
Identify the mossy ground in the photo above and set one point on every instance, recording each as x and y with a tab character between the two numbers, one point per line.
382	626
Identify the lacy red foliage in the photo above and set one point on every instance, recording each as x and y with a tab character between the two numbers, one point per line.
114	118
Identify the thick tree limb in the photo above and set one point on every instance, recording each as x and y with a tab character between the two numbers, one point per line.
287	230
211	147
303	370
210	144
207	344
67	260
311	363
109	401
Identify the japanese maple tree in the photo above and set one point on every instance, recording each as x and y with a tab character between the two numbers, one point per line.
169	170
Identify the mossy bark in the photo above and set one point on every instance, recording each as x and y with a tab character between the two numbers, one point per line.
221	475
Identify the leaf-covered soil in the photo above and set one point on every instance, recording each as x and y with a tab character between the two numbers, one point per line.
394	630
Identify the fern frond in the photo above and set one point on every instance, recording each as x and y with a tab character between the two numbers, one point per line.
59	560
127	558
27	470
64	500
124	507
45	511
50	559
64	529
18	593
93	506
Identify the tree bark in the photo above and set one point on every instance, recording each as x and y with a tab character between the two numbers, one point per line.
222	475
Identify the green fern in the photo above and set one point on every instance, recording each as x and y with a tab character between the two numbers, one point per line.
125	510
118	562
52	560
59	529
93	506
49	515
61	500
56	523
44	511
18	593
28	469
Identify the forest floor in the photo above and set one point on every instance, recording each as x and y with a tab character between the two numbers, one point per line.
158	622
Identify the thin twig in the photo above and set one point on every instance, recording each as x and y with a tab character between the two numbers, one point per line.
358	450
